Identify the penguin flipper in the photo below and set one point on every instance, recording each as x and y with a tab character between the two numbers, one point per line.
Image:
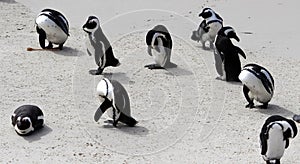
241	52
102	108
42	37
127	120
246	91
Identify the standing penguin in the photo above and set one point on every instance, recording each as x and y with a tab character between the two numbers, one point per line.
159	43
99	46
274	137
27	118
53	26
114	96
227	62
258	84
208	28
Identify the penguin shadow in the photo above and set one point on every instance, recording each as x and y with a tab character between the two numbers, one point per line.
8	1
178	71
136	130
275	110
38	134
119	76
69	51
205	48
230	82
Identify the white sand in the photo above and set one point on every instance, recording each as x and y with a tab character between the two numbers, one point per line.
185	115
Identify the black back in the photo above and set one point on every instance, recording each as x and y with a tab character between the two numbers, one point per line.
31	111
58	17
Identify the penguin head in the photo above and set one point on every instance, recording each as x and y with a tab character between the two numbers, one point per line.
206	13
91	25
23	125
229	33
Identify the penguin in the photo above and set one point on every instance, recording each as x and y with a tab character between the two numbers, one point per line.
113	96
258	84
99	46
208	28
26	119
274	137
159	43
227	59
52	26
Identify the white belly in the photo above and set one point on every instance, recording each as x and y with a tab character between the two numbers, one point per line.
54	33
276	145
255	86
160	58
213	31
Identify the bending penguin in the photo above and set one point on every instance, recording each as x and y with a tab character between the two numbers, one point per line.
159	43
208	28
258	84
27	118
227	61
52	26
274	137
114	98
99	46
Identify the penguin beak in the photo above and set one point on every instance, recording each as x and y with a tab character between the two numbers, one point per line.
201	14
236	38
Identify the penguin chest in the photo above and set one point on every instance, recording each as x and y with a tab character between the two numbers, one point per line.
275	143
159	55
212	32
54	33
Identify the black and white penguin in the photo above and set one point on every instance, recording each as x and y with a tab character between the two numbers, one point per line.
208	28
99	46
159	43
53	26
27	118
274	137
227	61
114	97
258	84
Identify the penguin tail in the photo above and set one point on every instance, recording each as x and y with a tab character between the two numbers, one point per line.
127	120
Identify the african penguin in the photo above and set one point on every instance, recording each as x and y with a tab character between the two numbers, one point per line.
159	43
99	46
258	84
208	28
227	59
113	96
274	137
27	118
53	26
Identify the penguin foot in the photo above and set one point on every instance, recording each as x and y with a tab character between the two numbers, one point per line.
96	72
60	46
250	105
50	46
153	66
296	118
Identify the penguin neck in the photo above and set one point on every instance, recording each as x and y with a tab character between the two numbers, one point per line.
214	18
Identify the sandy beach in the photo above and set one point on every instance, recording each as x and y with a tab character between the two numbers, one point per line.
185	114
